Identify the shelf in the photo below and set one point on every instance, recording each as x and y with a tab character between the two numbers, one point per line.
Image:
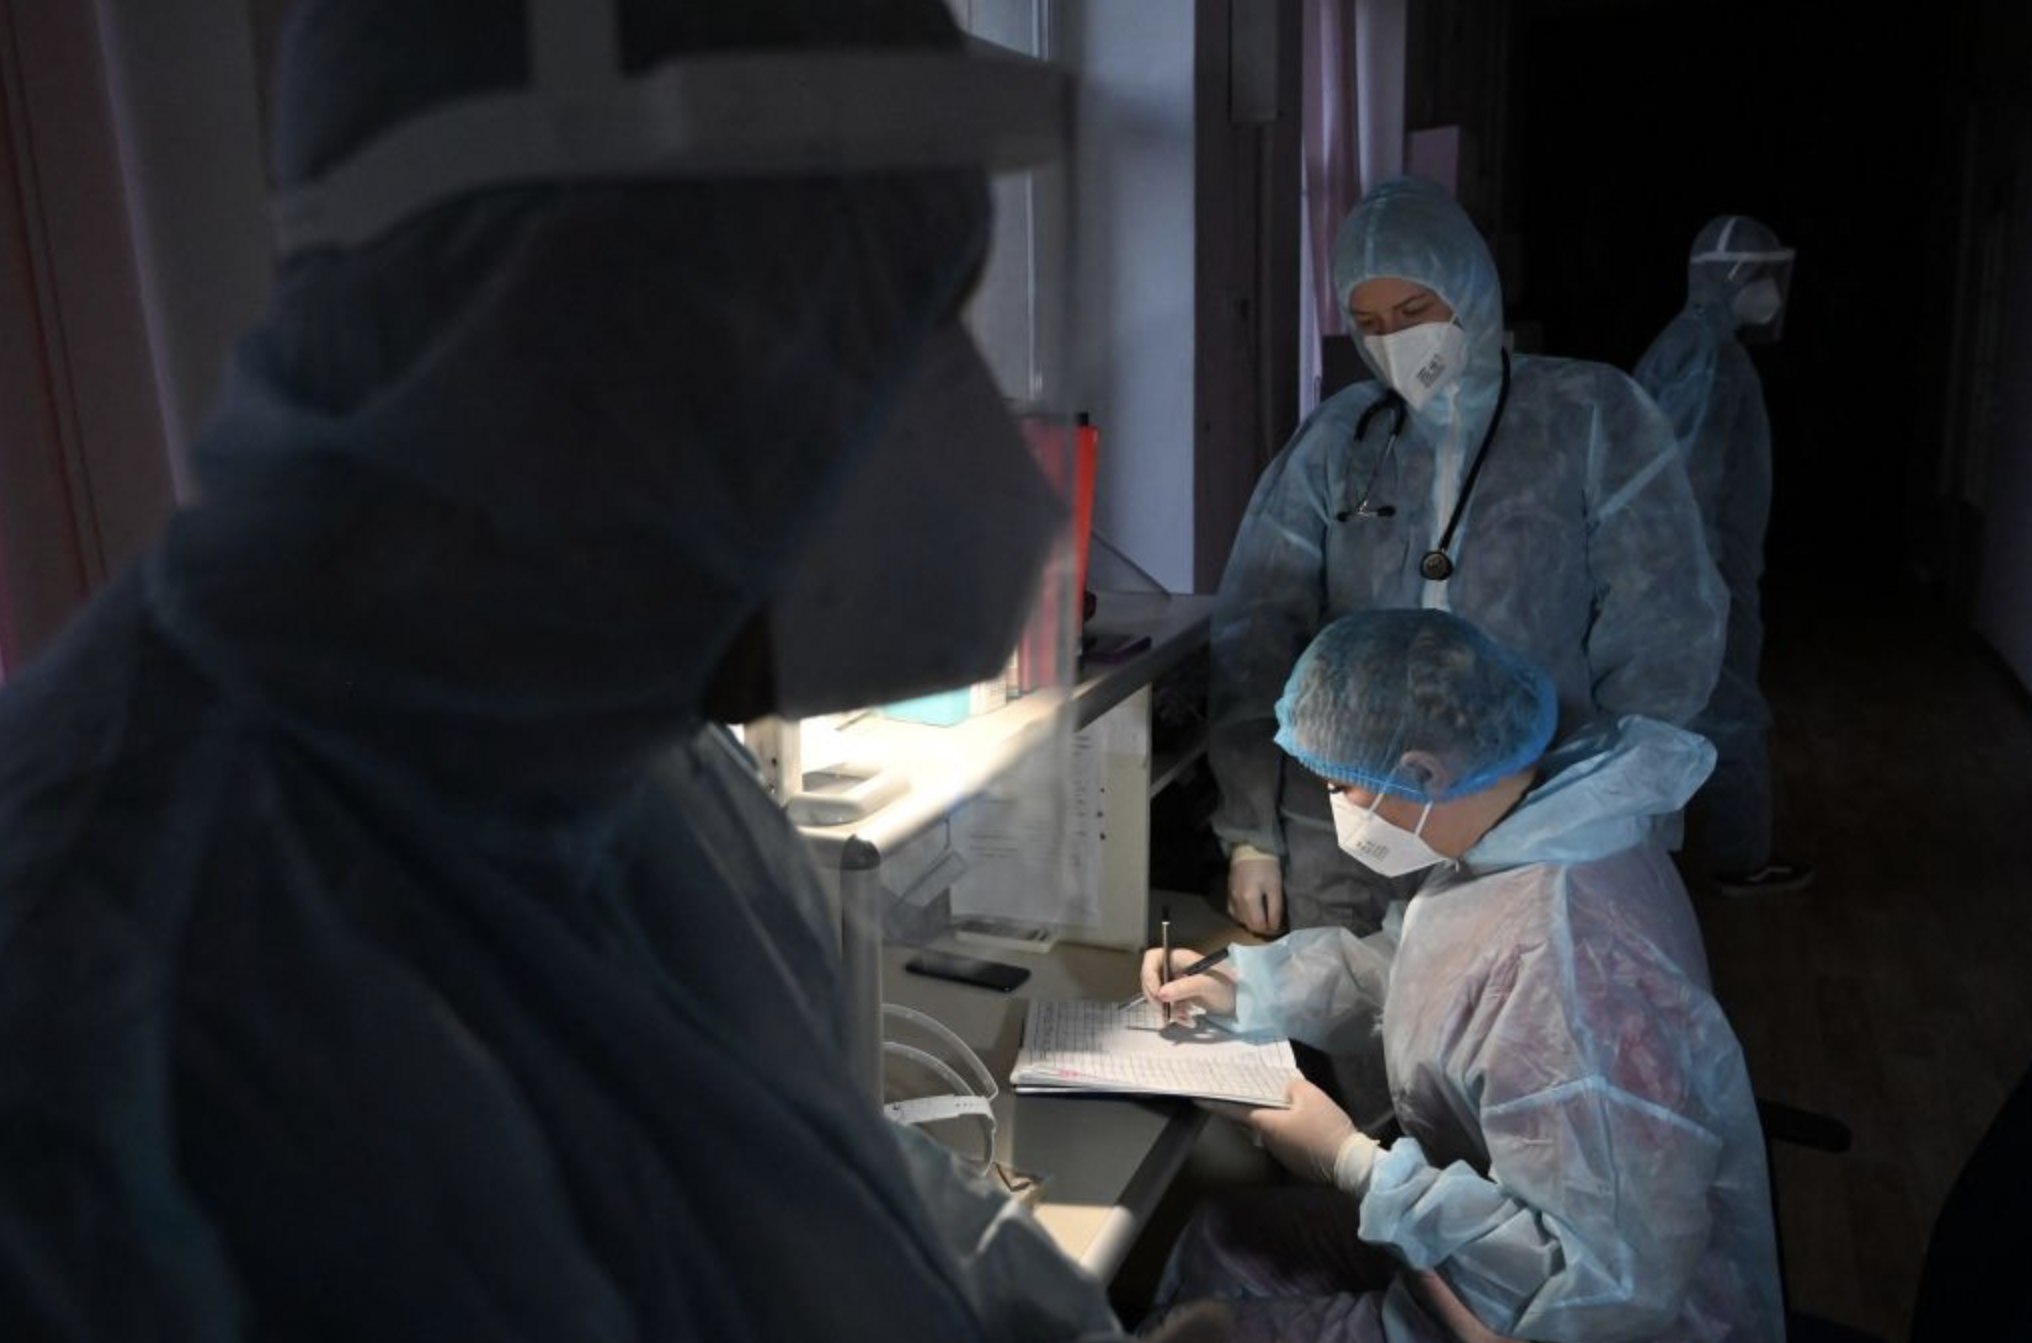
946	765
1165	769
1176	626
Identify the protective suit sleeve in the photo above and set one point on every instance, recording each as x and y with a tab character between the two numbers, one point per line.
1678	372
1589	1225
1272	601
1323	986
1020	1284
1738	477
1655	644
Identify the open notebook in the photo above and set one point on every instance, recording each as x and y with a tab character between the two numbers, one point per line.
1085	1046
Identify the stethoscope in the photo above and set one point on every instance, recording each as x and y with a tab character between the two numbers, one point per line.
1437	565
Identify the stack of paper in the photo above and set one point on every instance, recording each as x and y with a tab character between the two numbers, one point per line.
1084	1046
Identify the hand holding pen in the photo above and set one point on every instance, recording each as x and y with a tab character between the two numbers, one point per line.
1184	980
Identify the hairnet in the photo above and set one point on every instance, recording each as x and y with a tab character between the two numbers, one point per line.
1377	685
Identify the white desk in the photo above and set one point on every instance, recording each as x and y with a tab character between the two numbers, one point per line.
1106	1160
946	766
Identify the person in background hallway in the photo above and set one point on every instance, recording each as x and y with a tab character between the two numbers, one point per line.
1542	498
1700	374
1580	1154
393	945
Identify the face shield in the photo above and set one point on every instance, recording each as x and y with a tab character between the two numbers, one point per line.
1752	274
938	564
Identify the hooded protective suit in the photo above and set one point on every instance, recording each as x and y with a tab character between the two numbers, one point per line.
1702	378
390	946
1581	1156
1580	545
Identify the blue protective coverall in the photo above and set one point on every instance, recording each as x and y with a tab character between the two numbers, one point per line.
1580	547
1580	1157
1702	377
390	946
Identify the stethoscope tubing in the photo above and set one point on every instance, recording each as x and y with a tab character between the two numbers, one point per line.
1437	564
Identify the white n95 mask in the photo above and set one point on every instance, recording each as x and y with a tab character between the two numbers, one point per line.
1387	850
1757	302
1420	361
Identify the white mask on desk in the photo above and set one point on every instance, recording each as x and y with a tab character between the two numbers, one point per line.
1384	848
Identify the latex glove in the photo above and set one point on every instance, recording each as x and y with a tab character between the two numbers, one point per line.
1314	1138
1208	991
1256	890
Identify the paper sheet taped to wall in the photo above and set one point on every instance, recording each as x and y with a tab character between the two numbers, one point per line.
1013	870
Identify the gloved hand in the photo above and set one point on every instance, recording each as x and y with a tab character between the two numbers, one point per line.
1314	1138
1208	991
1256	890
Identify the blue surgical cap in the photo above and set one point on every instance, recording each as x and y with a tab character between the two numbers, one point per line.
1378	685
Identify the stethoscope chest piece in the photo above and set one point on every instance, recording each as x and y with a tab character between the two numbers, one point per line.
1435	567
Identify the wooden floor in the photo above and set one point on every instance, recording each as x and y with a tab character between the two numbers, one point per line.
1896	993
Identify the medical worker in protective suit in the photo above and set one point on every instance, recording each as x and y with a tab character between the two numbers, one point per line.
1540	497
1700	374
392	945
1580	1156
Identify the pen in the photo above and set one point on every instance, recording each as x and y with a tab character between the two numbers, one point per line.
1164	963
1200	966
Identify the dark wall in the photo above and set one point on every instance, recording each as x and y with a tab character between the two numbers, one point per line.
1634	125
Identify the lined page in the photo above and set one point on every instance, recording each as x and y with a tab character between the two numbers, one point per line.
1083	1045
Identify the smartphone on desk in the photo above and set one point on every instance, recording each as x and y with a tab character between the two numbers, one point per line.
967	970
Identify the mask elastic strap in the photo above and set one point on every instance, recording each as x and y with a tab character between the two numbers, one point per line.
1376	807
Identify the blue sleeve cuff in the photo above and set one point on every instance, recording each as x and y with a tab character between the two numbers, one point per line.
1397	1177
1257	1011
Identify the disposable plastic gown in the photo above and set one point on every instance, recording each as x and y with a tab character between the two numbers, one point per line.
1703	379
1580	547
389	948
1581	1157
